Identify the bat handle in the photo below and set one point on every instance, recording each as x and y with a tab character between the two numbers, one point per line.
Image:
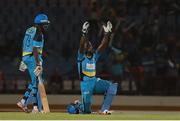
39	78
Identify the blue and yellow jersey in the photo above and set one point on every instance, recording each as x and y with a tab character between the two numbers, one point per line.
87	66
33	38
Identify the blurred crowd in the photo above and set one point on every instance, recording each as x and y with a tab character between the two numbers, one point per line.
143	55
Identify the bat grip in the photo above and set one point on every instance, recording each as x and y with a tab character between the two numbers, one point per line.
39	78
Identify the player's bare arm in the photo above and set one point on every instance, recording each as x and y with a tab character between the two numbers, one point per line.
36	55
82	44
83	40
107	33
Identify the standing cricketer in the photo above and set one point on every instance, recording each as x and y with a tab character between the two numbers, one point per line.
32	60
90	84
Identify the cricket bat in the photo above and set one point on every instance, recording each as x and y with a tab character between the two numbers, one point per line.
43	95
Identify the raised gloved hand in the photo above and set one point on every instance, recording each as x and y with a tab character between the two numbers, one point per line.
85	27
107	28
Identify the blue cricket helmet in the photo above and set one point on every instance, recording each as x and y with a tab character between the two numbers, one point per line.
72	109
41	18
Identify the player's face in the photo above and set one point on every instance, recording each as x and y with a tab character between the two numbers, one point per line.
44	26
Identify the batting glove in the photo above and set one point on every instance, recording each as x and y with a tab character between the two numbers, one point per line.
22	66
108	27
38	70
85	27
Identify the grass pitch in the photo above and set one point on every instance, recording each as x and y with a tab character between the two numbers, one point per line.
65	116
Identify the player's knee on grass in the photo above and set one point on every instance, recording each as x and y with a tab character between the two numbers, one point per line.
87	99
86	92
86	89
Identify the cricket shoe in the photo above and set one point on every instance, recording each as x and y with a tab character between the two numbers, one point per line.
35	110
42	112
105	112
23	107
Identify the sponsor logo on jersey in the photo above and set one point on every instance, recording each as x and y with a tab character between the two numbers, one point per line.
90	66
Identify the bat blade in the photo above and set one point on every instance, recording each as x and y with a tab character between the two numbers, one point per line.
43	95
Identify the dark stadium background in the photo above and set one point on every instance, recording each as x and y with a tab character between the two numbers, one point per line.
146	60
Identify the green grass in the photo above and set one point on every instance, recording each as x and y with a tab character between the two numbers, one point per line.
65	116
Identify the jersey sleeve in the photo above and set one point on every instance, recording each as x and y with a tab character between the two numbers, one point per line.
30	32
80	56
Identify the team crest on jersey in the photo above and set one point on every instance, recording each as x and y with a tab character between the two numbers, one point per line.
90	66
